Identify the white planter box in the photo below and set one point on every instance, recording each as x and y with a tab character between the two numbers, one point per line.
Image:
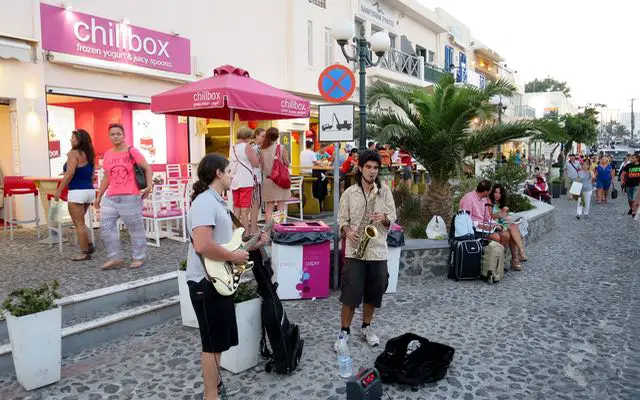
393	265
186	307
36	347
247	353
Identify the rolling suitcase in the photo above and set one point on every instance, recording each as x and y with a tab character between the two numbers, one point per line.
465	259
492	261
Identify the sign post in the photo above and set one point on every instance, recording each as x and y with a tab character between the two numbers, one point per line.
336	84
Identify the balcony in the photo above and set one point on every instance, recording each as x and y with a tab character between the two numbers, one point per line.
397	61
319	3
521	111
433	74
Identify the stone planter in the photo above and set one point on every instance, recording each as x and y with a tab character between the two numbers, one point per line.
36	347
186	308
246	354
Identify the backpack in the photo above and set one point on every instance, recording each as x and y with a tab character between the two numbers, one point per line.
412	360
280	172
461	227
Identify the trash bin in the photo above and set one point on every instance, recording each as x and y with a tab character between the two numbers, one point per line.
300	259
395	241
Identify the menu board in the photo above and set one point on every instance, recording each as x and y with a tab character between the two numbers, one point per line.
150	135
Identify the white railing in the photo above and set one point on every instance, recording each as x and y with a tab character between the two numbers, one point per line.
395	60
319	3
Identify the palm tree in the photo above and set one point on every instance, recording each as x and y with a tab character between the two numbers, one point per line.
437	128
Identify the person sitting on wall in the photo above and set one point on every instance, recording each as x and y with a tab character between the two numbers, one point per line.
475	202
349	165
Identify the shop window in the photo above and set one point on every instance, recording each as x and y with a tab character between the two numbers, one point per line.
162	139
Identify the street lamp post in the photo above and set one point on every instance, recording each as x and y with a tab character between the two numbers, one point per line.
502	102
343	32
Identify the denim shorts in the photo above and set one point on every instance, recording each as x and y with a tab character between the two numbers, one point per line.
631	192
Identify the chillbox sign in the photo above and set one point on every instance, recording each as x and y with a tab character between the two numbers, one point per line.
79	34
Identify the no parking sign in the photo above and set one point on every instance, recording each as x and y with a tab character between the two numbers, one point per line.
336	83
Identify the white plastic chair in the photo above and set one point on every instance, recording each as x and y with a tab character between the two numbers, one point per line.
173	171
192	171
296	196
65	221
164	214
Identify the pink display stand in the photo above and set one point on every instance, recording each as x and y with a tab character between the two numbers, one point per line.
302	271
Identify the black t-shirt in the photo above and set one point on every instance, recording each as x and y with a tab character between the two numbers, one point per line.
633	174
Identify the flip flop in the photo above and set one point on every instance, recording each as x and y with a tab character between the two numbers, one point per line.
135	264
112	265
84	257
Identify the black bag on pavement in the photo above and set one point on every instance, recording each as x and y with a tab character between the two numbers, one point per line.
413	360
614	194
284	337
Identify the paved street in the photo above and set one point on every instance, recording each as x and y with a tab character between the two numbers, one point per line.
566	328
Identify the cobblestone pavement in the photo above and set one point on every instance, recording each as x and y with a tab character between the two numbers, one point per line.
27	263
568	327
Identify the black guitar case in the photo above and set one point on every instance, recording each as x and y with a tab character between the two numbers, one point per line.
284	337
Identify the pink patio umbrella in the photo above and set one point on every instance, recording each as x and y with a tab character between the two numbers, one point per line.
230	91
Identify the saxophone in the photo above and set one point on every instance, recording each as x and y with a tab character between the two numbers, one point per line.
366	230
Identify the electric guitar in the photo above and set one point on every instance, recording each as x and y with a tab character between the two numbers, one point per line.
225	275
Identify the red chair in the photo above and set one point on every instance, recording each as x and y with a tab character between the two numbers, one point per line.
18	186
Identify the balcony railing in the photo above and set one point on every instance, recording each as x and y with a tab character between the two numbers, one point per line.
523	111
319	3
433	74
395	60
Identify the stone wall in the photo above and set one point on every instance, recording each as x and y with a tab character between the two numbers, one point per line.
428	258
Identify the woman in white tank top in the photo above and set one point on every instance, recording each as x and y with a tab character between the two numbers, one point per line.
243	159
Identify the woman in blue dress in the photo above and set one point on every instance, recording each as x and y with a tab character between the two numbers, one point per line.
604	175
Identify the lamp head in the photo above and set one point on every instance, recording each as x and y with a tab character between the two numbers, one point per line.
343	31
380	43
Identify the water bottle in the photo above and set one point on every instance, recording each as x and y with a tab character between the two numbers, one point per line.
344	359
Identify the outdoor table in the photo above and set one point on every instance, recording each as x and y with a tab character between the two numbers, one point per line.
46	186
311	204
327	203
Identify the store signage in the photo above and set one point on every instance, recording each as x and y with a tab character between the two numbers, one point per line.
377	12
54	149
85	35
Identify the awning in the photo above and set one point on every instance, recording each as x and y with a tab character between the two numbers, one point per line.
15	49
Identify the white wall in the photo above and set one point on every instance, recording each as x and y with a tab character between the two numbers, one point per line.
540	101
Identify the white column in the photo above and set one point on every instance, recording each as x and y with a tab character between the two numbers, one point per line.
197	148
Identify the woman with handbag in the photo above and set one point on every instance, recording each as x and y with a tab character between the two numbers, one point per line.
275	172
586	178
127	180
243	158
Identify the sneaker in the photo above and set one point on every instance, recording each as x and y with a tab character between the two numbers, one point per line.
586	217
370	336
577	217
335	344
630	212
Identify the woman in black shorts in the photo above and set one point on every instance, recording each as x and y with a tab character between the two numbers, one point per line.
210	225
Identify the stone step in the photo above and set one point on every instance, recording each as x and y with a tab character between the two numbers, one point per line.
89	333
102	302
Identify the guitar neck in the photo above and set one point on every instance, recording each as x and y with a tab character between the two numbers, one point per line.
255	238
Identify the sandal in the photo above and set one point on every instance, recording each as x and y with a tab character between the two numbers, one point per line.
516	266
135	264
82	257
92	248
111	264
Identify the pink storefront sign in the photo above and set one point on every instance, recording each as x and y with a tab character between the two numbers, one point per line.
78	34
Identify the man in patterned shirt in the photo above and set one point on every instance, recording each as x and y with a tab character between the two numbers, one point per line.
366	278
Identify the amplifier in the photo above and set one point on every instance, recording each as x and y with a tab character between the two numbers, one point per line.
365	385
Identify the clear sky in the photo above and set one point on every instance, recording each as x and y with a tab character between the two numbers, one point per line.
593	45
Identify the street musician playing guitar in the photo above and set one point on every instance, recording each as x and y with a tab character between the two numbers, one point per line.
210	226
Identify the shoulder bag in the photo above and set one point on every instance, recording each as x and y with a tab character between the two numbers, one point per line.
138	172
280	172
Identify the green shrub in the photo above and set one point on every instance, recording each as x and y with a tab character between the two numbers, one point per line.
517	203
408	207
25	301
246	291
417	231
509	175
183	265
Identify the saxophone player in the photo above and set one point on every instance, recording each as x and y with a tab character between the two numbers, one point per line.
366	212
